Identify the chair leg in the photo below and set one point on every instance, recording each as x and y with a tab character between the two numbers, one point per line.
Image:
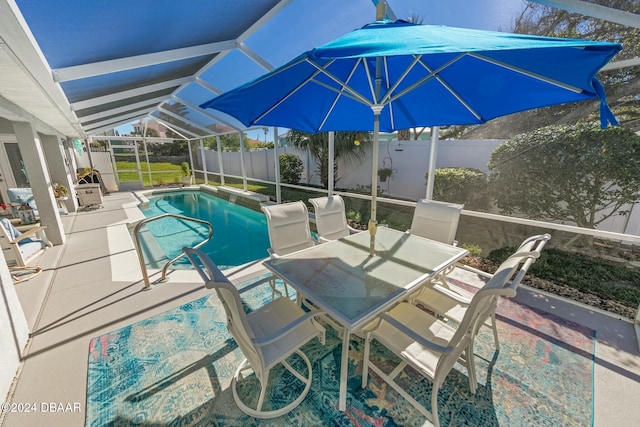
471	369
263	391
258	412
494	325
434	405
274	290
365	363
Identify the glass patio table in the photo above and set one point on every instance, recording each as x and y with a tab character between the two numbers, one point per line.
353	287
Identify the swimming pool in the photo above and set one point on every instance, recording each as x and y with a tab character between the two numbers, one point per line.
239	234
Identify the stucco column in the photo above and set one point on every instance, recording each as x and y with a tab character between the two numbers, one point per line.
59	167
14	332
38	173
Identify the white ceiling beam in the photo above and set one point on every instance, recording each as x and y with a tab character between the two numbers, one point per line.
95	132
239	42
173	128
132	62
117	120
187	121
205	113
208	86
594	10
151	103
253	55
136	113
118	96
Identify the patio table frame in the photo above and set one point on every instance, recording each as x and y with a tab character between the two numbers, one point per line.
353	288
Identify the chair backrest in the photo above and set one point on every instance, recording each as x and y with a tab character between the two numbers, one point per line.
436	220
288	226
11	232
237	322
331	220
485	300
21	195
19	252
504	282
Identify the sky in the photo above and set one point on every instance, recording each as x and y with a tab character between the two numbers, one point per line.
295	29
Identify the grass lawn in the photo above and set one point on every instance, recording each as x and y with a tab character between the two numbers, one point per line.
161	173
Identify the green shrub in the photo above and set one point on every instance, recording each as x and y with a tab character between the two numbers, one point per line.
461	185
291	168
587	274
473	249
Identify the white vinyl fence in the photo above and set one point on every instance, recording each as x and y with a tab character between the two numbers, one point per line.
408	159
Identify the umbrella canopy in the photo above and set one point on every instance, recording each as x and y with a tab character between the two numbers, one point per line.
397	75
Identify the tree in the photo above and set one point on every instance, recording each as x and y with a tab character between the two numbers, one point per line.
578	173
349	146
622	85
150	133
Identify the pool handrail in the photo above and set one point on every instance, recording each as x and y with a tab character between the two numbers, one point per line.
136	240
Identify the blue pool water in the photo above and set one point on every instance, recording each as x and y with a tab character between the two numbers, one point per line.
239	234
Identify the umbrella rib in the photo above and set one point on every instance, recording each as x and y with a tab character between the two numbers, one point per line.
297	88
527	73
368	73
459	98
386	75
335	101
355	95
341	92
388	96
432	74
435	74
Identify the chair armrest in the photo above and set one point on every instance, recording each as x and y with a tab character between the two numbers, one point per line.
414	336
353	230
30	233
287	329
452	294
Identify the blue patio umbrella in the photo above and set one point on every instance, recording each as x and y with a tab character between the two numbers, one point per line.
389	76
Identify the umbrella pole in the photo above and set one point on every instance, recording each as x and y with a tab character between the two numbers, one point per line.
432	162
373	223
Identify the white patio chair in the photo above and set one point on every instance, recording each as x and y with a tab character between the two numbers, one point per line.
436	220
289	231
452	302
21	248
429	345
331	219
288	226
266	337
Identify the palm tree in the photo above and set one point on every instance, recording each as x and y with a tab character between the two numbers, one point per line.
348	146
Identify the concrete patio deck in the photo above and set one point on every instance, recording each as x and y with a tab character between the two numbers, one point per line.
93	285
